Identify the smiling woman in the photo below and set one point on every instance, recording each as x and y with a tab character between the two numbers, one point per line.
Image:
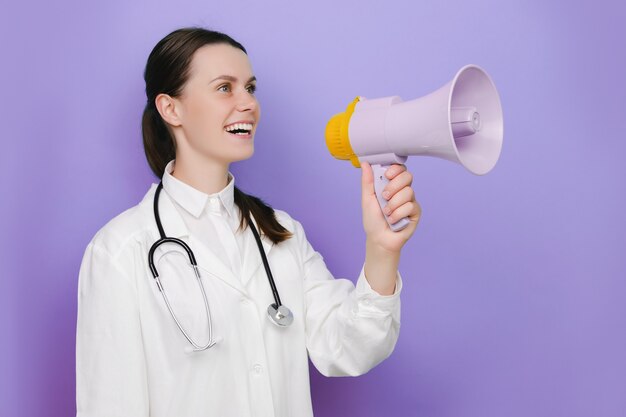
165	331
199	116
181	85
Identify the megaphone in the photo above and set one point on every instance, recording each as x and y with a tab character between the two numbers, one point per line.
460	122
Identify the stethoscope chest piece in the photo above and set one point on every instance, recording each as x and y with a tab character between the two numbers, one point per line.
280	316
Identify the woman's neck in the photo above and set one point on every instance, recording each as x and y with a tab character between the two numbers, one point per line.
207	176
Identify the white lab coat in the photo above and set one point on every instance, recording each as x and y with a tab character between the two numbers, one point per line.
130	355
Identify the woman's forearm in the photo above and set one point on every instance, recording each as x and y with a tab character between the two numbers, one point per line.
381	267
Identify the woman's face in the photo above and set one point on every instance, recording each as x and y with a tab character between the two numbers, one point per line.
218	110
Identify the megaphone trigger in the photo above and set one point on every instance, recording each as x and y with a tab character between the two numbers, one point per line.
380	182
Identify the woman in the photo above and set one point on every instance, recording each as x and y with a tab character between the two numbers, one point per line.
133	358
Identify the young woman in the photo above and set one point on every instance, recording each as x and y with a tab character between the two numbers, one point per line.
158	336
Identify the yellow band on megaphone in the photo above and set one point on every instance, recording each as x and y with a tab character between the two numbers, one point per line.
337	139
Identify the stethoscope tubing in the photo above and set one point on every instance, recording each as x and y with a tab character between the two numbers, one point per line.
266	264
278	314
194	264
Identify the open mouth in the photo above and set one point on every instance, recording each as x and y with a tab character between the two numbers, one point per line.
239	129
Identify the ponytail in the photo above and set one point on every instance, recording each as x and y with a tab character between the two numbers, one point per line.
263	214
158	144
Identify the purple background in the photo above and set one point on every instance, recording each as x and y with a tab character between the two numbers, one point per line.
514	297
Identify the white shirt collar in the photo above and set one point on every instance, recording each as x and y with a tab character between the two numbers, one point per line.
195	201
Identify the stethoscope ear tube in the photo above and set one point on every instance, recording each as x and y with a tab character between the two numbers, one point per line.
192	258
194	264
164	238
155	274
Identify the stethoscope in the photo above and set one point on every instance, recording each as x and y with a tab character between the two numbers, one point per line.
277	313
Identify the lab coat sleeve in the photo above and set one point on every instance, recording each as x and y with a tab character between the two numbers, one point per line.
349	329
110	366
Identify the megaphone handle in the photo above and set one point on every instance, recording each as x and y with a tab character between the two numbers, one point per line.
380	182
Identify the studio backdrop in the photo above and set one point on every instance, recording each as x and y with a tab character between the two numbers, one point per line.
514	298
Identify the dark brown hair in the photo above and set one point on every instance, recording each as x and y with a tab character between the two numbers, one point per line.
167	71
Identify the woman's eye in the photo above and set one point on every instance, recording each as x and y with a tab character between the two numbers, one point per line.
224	88
251	89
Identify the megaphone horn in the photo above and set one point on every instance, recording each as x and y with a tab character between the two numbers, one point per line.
460	122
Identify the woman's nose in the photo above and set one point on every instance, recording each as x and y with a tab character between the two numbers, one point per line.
247	102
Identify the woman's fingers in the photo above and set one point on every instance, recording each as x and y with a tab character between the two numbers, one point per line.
410	209
401	180
405	195
394	170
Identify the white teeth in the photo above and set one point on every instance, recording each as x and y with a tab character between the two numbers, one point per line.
239	126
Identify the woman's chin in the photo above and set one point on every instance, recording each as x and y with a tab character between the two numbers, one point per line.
244	154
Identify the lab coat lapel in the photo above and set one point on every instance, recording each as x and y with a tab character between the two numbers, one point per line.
213	265
175	226
252	260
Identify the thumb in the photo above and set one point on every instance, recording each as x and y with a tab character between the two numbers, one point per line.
367	180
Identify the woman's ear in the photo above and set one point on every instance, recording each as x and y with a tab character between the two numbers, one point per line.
167	108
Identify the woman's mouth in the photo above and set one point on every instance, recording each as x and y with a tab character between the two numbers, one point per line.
239	129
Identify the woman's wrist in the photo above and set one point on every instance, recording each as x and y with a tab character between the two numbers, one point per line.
381	267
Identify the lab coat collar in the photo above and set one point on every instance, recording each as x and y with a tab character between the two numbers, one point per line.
193	200
174	226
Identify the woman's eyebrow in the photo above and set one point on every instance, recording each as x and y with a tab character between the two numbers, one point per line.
231	79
